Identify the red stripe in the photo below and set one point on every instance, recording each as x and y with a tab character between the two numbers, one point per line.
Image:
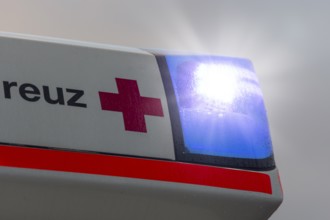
150	169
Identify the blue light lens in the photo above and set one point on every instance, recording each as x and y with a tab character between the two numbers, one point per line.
221	107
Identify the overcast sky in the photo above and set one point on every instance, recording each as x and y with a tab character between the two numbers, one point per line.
288	42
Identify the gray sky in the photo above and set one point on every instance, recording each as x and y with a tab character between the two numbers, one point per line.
288	42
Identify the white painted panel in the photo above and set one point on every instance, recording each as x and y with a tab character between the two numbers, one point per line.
80	66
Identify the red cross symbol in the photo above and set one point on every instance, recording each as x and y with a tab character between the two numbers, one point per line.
133	106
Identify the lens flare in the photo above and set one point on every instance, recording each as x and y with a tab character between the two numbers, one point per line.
216	82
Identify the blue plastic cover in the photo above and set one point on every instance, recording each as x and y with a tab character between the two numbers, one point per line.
221	106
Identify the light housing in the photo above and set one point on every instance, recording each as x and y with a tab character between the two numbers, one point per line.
221	112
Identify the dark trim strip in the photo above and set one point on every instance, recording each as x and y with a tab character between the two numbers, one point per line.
173	108
119	166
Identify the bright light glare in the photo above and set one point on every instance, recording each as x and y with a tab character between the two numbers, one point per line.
221	84
216	82
221	107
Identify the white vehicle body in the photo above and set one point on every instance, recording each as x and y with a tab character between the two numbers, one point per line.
69	152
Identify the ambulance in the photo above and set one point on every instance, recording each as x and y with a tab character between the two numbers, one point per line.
93	131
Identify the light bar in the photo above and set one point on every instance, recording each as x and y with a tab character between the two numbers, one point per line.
221	107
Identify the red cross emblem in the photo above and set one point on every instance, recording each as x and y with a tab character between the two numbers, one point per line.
133	106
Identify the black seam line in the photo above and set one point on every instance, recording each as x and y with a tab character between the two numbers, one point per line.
173	107
113	154
81	151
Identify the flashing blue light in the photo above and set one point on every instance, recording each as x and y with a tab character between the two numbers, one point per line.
221	106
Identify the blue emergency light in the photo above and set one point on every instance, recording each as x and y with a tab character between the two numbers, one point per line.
220	110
